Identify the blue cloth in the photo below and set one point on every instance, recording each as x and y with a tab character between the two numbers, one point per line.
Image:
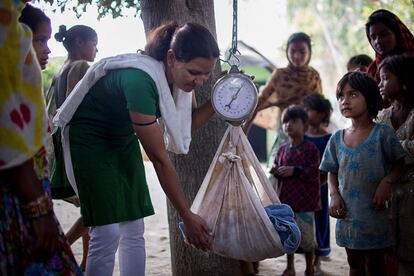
282	218
359	172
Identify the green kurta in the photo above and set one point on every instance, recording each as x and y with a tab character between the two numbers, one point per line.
105	152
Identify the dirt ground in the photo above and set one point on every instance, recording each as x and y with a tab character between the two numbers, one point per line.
157	241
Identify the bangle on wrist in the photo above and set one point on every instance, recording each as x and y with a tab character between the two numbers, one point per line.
39	207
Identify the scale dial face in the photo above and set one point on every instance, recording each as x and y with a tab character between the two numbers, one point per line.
234	97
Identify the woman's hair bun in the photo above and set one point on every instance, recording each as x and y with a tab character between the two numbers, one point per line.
61	34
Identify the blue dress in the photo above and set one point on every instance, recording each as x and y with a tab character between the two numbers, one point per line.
322	216
359	171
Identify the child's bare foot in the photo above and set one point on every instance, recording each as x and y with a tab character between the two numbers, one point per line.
317	268
289	272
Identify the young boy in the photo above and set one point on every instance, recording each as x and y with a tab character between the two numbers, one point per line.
296	168
358	63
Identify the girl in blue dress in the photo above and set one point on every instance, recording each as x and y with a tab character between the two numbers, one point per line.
363	162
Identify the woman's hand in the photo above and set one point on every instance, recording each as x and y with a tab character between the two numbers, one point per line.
197	232
46	237
337	208
382	194
150	136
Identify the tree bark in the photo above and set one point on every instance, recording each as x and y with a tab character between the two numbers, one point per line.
192	167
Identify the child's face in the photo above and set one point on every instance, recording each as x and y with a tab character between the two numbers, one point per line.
315	117
88	48
352	103
298	53
389	85
294	128
382	38
40	39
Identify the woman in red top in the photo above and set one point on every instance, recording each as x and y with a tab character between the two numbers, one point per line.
388	36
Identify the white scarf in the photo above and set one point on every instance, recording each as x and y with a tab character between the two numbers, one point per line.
175	109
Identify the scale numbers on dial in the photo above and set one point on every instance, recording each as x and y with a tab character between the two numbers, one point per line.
234	97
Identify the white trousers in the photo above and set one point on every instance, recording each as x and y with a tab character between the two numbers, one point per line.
104	242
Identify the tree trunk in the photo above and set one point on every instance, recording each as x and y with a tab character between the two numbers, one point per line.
192	167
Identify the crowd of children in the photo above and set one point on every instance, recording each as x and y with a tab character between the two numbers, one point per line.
300	184
362	164
366	168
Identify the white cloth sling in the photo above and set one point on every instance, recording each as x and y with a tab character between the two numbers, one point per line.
175	108
232	198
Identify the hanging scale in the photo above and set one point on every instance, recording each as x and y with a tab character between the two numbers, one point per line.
234	96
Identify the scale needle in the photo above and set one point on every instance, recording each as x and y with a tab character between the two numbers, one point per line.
233	97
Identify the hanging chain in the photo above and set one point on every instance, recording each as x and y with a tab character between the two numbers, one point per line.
233	50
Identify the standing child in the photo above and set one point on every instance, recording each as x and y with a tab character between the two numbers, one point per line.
397	84
363	163
319	112
80	42
289	85
296	167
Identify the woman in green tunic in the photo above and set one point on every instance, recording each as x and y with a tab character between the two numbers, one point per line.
119	100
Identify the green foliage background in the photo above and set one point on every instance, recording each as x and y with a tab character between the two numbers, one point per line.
51	69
